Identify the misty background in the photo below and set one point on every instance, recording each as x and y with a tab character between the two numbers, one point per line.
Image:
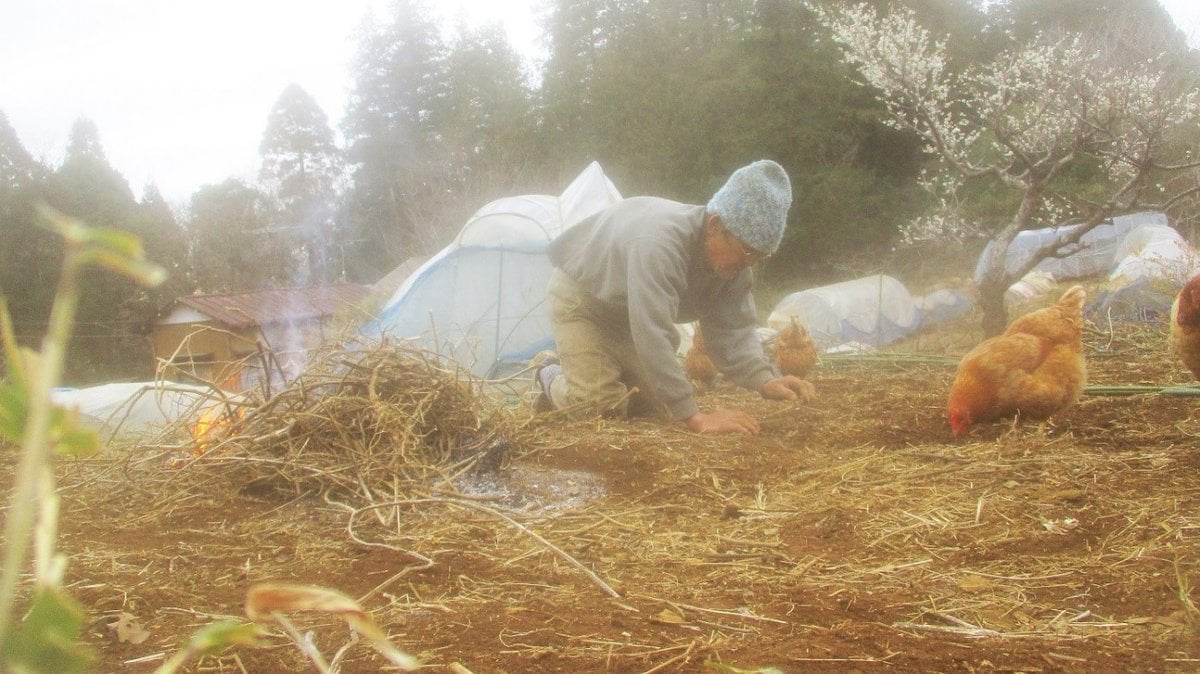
439	115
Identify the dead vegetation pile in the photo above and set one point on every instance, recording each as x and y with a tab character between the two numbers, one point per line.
372	424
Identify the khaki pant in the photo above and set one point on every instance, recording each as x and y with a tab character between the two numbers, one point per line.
599	362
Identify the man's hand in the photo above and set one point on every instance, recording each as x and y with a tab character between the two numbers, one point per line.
722	421
788	387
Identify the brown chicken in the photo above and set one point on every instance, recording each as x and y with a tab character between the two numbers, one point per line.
1185	326
1035	369
696	362
795	352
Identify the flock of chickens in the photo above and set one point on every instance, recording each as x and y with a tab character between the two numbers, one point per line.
1035	369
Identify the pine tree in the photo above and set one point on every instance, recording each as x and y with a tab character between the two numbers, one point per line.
226	224
166	245
112	310
389	146
28	253
301	167
18	168
484	127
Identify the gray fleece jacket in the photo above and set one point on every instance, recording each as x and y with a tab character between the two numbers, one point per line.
644	257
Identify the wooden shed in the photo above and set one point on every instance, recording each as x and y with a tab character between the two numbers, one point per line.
224	338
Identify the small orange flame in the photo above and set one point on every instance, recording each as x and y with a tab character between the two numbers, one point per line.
211	426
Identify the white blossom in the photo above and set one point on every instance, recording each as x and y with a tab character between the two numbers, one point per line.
1023	119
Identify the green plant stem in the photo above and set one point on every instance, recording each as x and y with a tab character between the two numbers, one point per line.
31	478
1140	390
306	647
176	661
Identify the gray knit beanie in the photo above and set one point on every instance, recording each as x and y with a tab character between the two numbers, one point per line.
753	204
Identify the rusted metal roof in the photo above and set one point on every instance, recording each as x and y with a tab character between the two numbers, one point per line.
266	307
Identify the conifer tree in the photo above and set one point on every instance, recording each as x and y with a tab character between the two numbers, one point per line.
389	145
113	310
226	224
301	168
28	253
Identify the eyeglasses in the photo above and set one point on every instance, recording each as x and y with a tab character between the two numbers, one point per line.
749	255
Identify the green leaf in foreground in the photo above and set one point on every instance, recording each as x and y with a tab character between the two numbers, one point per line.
15	402
65	434
105	248
221	635
213	638
46	642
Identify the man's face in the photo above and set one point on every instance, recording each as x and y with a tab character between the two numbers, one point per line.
727	255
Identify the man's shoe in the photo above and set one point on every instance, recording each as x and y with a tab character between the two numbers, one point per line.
546	368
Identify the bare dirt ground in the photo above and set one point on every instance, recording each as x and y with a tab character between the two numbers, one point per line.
854	534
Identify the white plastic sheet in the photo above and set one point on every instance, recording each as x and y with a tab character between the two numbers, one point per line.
1091	257
128	409
873	310
1149	267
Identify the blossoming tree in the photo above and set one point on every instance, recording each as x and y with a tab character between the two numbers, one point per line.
1032	122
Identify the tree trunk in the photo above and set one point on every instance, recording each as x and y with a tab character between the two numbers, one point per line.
991	302
994	282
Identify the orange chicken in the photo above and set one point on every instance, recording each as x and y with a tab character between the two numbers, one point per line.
696	362
1035	369
1185	326
795	352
